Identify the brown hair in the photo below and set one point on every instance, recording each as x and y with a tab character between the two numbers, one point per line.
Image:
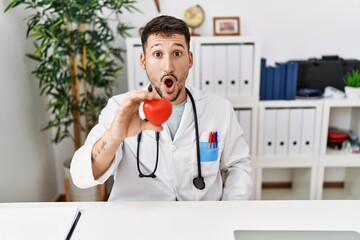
166	26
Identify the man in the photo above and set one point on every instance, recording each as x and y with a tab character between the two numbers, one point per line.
113	146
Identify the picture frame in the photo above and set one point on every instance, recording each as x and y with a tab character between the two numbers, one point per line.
226	26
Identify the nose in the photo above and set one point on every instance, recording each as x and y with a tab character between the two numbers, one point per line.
168	65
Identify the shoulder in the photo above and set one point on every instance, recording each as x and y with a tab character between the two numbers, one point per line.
210	99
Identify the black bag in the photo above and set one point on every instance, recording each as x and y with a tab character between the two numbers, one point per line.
327	71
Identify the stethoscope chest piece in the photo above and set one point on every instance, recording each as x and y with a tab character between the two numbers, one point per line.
199	183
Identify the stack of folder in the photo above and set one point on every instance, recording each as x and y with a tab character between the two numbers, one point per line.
278	82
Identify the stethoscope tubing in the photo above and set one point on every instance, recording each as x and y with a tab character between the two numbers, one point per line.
198	181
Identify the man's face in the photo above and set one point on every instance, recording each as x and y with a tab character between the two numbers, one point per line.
167	61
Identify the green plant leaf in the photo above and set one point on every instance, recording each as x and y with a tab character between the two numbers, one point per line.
12	4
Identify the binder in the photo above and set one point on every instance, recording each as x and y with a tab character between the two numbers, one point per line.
246	69
276	83
140	75
282	89
263	79
269	132
295	123
291	80
233	70
219	70
207	68
308	129
269	83
245	123
282	131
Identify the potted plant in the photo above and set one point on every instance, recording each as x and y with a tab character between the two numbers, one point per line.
352	84
77	62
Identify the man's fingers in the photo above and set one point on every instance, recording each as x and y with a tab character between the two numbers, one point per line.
138	96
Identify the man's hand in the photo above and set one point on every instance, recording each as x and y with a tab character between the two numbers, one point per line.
127	121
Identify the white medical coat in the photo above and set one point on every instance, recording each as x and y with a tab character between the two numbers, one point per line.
226	178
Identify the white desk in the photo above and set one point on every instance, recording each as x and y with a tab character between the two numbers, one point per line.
205	220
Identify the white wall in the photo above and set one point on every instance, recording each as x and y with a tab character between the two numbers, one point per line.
27	169
288	29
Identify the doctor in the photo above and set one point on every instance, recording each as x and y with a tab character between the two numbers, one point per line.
224	166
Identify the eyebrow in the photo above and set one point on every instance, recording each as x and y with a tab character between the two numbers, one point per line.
160	44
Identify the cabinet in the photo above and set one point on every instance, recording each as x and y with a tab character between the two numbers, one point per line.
339	166
287	139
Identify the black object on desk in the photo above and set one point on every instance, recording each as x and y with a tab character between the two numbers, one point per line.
73	226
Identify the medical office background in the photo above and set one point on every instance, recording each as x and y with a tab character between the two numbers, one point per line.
31	167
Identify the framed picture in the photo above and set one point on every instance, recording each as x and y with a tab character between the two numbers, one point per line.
226	26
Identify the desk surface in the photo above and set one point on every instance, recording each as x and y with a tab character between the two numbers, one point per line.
205	220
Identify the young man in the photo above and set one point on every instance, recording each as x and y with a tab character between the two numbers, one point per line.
220	169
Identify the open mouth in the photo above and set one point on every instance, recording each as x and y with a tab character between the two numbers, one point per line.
169	83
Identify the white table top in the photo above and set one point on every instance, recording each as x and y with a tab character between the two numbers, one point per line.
205	220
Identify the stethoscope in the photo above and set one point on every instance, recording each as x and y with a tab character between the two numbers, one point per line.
198	181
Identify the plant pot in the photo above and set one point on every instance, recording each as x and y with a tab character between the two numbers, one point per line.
77	194
352	92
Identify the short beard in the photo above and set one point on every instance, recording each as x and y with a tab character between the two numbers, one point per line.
158	90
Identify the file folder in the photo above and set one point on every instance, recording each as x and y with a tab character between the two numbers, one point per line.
282	131
263	79
269	132
308	129
220	70
207	68
276	88
233	70
246	69
269	83
295	124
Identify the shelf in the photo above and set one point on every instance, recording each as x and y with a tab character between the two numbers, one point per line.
301	180
346	102
291	103
341	154
243	102
281	194
351	179
286	161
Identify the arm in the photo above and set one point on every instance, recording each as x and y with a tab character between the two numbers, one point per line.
116	122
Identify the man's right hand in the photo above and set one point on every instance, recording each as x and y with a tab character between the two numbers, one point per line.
127	123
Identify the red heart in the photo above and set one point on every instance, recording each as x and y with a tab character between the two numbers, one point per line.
157	111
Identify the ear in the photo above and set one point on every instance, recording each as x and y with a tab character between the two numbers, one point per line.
142	60
190	59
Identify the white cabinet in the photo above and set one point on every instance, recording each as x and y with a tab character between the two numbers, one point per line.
287	139
339	167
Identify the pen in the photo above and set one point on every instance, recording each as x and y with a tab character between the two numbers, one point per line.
216	139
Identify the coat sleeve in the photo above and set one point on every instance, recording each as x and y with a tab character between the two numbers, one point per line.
235	163
81	168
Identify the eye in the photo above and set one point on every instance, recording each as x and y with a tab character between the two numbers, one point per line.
157	54
177	54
